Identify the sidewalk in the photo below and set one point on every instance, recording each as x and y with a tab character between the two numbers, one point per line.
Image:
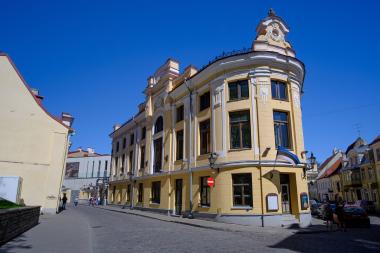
61	233
229	227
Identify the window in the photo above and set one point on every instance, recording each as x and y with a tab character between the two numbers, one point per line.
179	145
105	169
100	163
338	186
116	164
140	193
124	142
117	146
159	125
142	157
204	129
204	101
281	129
205	192
363	174
279	90
131	161
157	155
240	130
180	111
378	154
93	167
242	189
238	90
156	191
132	140
122	163
128	193
143	133
369	173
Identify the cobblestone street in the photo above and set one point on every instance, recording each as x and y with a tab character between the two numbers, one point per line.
86	229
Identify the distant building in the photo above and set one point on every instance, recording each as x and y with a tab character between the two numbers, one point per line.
370	173
85	174
329	185
34	144
351	173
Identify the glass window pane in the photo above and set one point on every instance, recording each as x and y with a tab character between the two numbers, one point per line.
284	136
235	136
233	91
274	91
246	132
282	91
244	91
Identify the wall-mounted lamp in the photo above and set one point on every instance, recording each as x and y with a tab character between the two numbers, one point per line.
212	159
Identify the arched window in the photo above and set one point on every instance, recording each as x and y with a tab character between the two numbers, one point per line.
158	126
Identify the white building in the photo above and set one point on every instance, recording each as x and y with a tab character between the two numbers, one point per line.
85	172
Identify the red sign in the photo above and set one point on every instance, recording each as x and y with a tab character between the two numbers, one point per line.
210	181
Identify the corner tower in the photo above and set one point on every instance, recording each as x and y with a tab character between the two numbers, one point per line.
271	35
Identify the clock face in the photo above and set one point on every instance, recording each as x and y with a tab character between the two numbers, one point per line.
275	34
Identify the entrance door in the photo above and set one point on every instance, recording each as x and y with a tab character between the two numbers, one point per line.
285	198
178	196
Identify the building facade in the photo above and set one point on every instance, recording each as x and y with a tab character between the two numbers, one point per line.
34	144
221	123
85	175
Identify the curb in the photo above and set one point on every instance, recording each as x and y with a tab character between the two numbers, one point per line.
172	221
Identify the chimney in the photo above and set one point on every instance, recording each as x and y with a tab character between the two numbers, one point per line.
67	119
36	94
116	126
90	151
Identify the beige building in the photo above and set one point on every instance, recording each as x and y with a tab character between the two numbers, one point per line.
370	173
221	123
33	143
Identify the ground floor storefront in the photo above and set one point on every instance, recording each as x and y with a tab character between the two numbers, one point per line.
262	196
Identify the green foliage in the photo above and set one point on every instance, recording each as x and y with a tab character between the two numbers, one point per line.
5	204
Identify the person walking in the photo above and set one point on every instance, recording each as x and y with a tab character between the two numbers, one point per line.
76	201
329	217
340	214
64	200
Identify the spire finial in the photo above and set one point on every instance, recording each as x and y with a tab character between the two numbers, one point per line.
271	13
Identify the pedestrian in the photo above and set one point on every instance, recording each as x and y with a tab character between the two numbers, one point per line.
64	200
89	201
340	214
329	216
76	201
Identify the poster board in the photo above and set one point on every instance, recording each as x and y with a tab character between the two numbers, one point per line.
272	202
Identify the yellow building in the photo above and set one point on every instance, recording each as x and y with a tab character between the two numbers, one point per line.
370	173
33	144
236	111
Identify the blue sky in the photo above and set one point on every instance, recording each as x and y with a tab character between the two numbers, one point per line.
92	58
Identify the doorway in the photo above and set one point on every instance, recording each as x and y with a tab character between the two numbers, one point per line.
178	196
285	193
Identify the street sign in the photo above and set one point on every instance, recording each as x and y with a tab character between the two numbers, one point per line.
210	181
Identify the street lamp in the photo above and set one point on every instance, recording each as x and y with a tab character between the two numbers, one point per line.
312	161
212	159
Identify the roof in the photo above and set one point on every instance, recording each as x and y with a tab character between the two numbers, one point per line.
352	145
35	97
377	139
331	165
83	153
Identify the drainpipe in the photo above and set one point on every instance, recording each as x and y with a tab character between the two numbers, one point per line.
190	215
261	169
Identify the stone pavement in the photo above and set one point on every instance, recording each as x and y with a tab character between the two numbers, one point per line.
201	223
112	229
65	232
